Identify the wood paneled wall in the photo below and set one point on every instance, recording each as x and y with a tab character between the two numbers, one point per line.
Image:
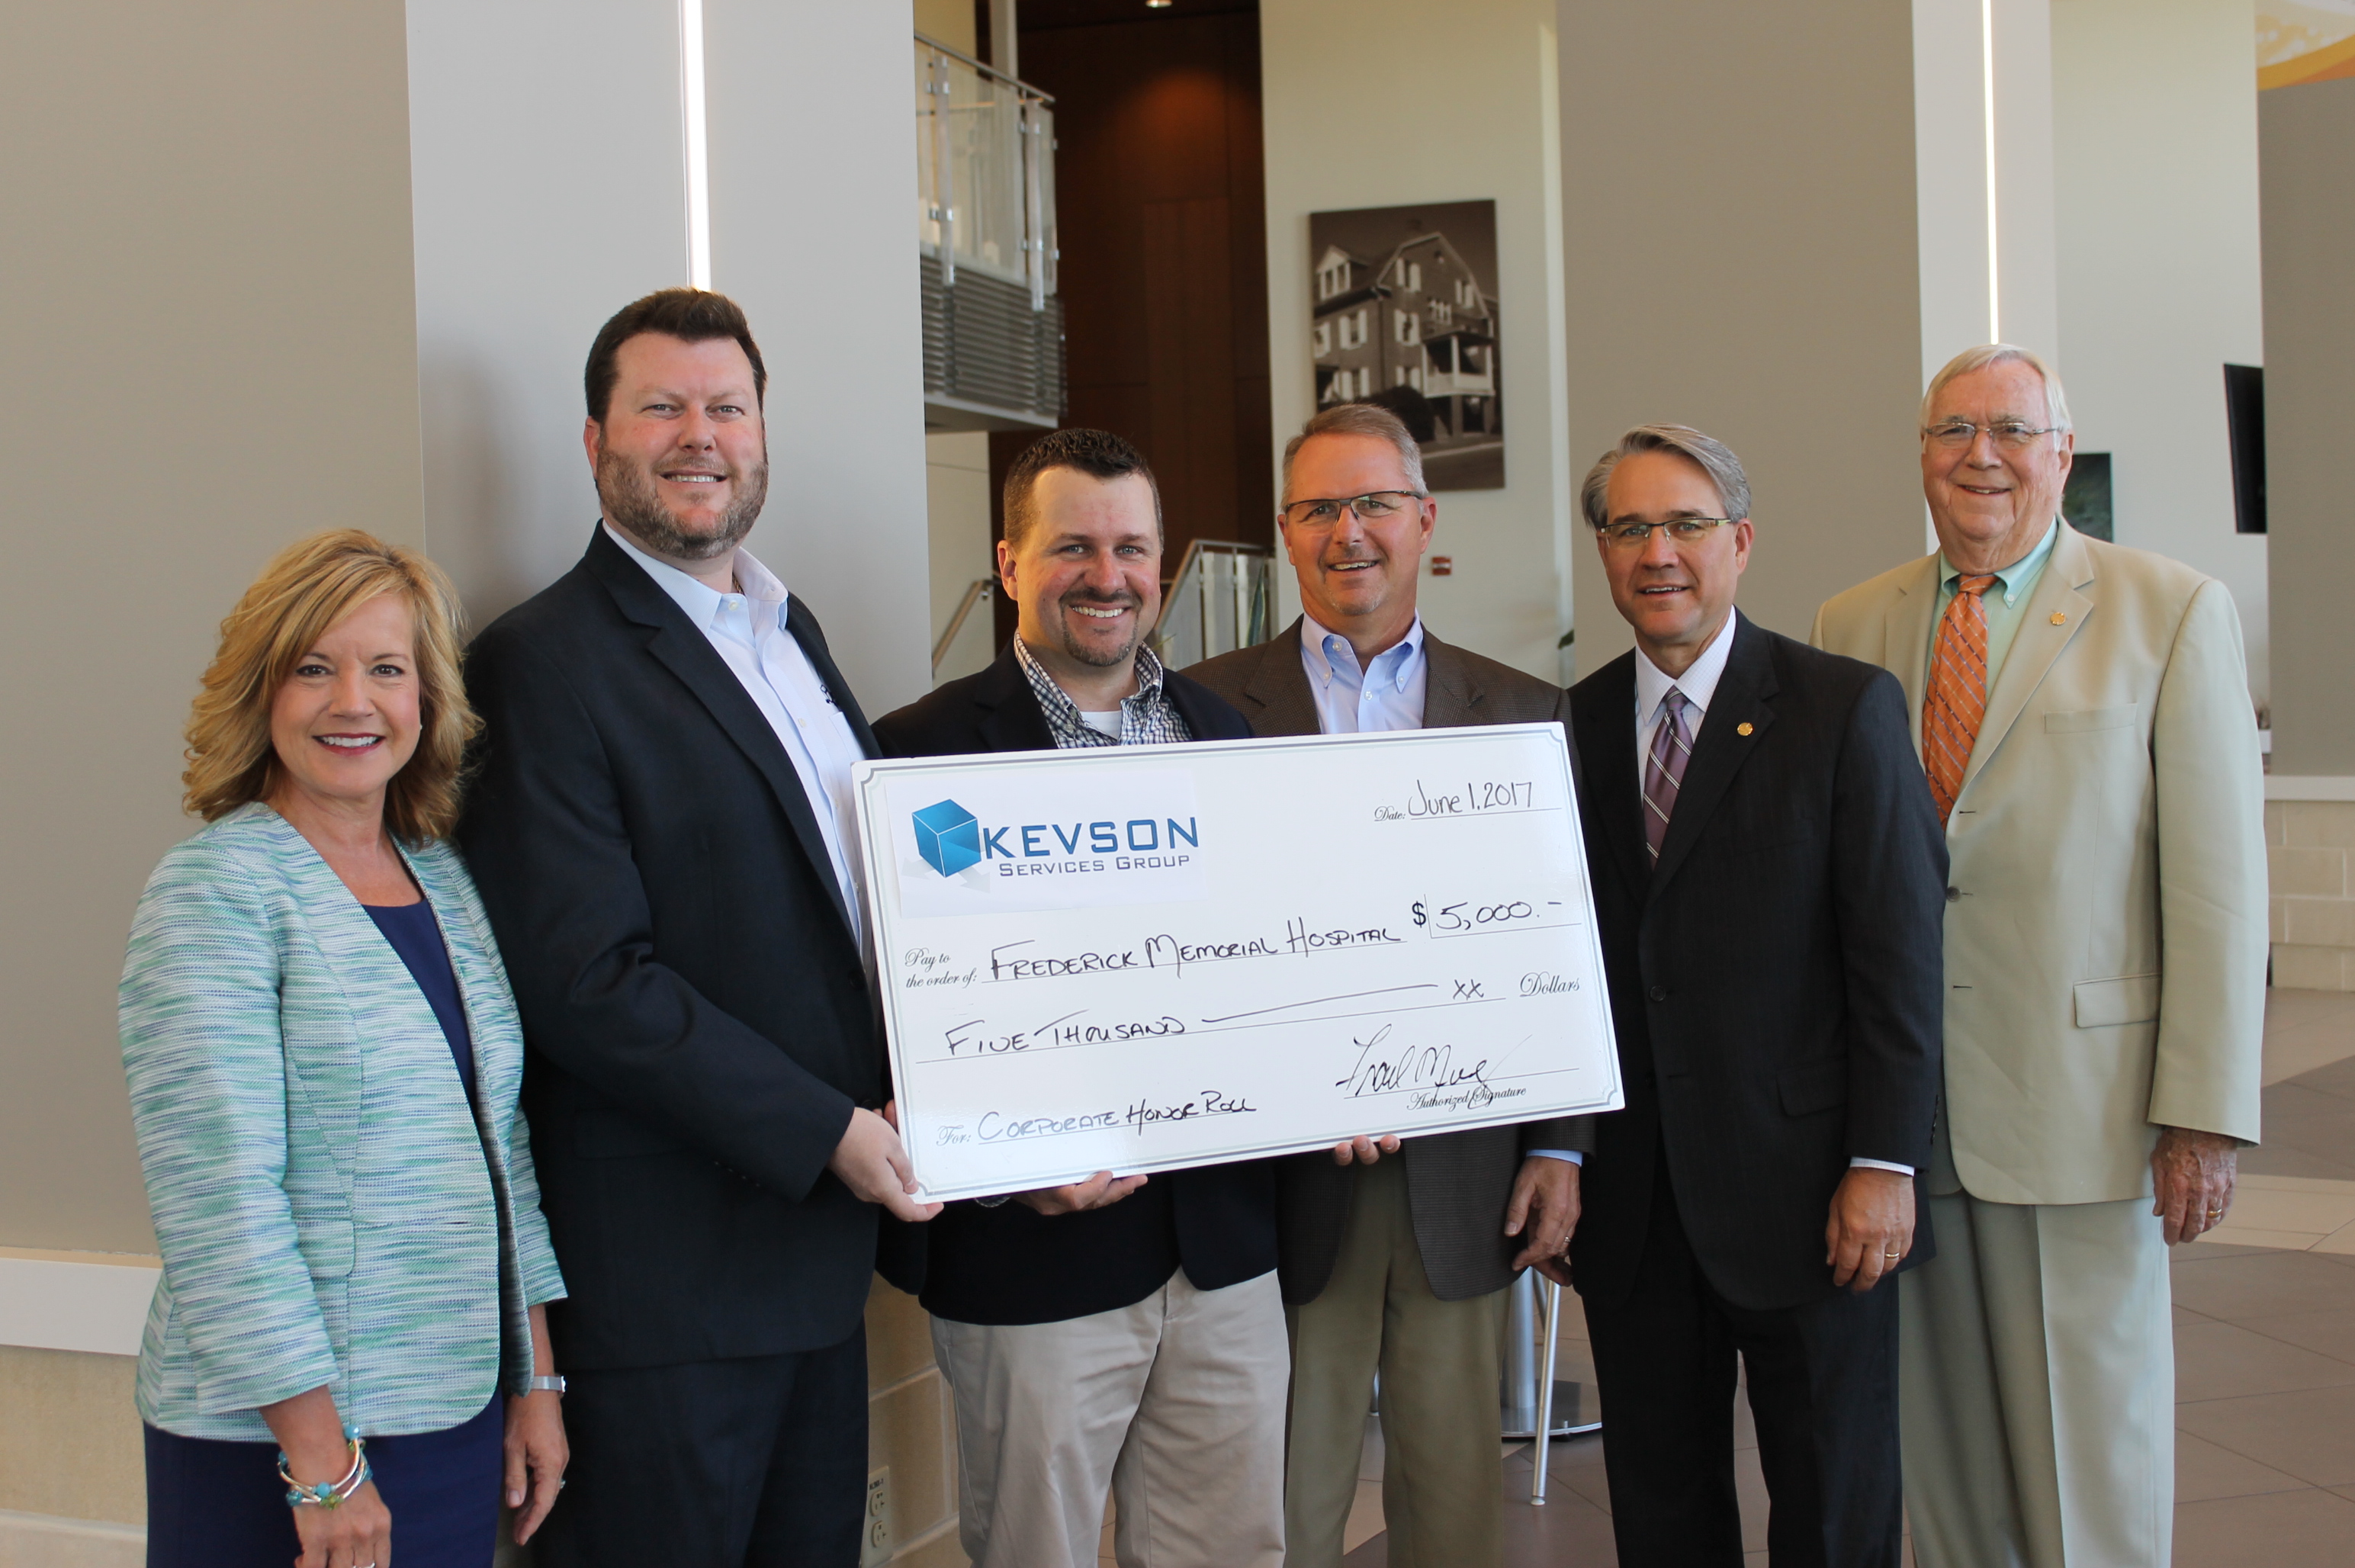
1163	215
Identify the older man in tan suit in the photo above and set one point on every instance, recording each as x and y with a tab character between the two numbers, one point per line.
2083	715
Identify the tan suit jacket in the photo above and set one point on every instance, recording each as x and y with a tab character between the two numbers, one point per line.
2106	921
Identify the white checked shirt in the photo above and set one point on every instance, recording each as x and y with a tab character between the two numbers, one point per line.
747	629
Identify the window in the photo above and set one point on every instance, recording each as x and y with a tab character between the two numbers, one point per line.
1323	338
1441	313
1409	273
1365	324
1414	377
1406	326
1332	280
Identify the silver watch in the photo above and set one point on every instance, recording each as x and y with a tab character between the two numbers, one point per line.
547	1385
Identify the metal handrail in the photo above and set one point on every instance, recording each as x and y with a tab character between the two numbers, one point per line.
957	54
975	593
1251	586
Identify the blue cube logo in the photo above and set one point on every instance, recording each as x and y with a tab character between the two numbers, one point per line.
948	837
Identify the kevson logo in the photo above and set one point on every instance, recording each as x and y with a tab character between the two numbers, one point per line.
951	839
1016	838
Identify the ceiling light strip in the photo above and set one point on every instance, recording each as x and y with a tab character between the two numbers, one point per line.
698	181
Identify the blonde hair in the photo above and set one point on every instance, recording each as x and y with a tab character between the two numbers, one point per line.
307	588
1358	419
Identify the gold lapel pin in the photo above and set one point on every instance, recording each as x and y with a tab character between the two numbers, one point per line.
2060	617
1742	729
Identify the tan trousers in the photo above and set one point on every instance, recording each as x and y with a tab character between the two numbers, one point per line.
1173	1405
1443	1467
2035	1376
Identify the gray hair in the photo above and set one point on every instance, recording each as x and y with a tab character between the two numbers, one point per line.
1713	458
2056	402
1358	419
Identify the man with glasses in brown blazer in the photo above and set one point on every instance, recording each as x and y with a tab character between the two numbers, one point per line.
1396	1265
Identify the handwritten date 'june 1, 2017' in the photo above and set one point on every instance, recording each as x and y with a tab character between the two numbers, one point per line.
1471	798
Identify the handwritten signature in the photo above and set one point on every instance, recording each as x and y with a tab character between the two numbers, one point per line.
1383	1070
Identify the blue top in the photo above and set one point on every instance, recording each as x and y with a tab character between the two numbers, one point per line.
416	937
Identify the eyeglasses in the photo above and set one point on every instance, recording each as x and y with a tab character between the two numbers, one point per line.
1372	507
2010	435
1682	531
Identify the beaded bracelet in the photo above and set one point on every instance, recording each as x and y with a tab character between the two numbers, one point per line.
329	1494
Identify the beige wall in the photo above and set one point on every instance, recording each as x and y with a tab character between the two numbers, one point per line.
2154	161
2307	143
1463	111
211	348
1738	203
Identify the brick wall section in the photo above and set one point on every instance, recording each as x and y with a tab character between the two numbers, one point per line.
2312	909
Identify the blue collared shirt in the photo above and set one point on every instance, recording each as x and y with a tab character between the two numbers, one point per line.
747	629
2003	602
1386	694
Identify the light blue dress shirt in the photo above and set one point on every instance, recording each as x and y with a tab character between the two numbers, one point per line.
1385	693
2003	604
747	629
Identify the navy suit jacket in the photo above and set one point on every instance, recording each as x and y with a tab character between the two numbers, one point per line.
696	1015
1776	980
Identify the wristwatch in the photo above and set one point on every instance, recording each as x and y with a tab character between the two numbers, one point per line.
547	1385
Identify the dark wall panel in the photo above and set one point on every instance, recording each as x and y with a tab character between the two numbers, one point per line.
1160	193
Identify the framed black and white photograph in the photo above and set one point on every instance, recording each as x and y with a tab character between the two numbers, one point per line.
1405	316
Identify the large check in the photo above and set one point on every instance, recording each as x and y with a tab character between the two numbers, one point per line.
1139	959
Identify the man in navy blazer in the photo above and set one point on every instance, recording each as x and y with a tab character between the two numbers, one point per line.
1119	1334
663	834
1769	887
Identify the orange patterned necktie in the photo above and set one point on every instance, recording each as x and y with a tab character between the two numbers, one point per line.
1958	701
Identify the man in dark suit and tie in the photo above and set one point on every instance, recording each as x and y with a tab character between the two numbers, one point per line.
1395	1264
663	831
1769	883
1118	1334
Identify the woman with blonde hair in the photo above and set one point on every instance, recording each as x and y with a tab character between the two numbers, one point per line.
324	1060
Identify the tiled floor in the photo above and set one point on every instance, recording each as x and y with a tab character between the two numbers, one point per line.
2264	1353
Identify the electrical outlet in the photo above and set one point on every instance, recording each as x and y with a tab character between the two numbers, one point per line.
875	1544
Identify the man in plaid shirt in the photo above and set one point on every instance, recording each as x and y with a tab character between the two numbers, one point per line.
1119	1334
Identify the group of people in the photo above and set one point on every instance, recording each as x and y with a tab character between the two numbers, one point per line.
511	1092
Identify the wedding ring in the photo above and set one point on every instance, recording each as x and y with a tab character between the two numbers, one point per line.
1892	1254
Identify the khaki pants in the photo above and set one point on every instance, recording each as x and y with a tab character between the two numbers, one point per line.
1443	1469
1173	1405
2036	1374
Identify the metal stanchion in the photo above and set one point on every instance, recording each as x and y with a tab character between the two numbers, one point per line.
1533	1403
1545	1391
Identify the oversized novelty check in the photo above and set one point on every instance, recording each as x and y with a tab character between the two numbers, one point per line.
1135	958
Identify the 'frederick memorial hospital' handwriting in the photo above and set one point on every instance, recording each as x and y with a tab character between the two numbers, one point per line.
1172	952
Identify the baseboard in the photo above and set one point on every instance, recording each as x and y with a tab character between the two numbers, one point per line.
44	1540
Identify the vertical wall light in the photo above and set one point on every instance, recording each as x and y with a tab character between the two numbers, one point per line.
698	182
1986	75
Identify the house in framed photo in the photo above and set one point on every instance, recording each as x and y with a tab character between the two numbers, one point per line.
1419	317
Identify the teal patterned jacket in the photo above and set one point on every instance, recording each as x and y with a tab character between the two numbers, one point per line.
323	1201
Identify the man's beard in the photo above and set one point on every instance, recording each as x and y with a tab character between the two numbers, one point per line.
626	489
1097	658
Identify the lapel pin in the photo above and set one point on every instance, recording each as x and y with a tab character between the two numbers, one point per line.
1741	729
2060	617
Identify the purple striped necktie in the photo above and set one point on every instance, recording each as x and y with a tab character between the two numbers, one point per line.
1664	770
